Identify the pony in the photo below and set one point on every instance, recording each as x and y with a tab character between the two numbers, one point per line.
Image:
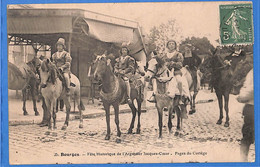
222	77
113	92
53	89
25	77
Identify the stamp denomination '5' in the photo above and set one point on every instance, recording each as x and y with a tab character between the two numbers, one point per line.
236	24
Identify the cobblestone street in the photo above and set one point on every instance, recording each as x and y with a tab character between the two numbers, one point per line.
201	140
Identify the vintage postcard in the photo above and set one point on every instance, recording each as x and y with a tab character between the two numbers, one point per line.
157	82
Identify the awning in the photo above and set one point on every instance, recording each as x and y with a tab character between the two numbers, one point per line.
109	32
39	25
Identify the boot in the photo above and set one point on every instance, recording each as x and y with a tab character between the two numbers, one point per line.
128	91
152	98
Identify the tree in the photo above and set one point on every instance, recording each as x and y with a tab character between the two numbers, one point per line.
159	35
201	46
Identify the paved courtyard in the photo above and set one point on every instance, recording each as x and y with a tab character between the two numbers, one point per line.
201	140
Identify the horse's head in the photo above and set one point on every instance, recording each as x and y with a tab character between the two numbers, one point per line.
102	64
206	64
47	72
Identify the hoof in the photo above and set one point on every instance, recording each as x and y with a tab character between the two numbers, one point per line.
176	133
107	137
219	122
118	140
190	112
130	131
118	134
80	126
160	138
25	113
226	124
47	133
37	113
64	127
43	124
170	131
138	131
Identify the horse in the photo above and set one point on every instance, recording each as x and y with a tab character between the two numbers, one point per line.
193	91
25	77
163	102
221	80
53	89
113	92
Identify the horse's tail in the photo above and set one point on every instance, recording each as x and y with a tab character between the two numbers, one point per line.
82	107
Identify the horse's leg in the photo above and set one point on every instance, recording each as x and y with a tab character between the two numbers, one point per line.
107	109
178	113
77	100
191	104
133	109
170	119
61	104
53	110
139	109
68	107
49	109
57	105
226	98
220	103
33	92
45	118
24	102
116	108
160	117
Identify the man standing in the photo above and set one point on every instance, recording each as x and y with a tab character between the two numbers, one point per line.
247	96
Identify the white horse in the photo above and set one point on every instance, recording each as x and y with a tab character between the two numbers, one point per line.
53	89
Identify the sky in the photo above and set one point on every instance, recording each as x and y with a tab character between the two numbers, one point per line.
199	19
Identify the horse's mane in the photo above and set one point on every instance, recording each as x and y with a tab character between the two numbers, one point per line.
47	65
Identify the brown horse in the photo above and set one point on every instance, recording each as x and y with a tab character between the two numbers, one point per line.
25	77
53	89
221	80
113	92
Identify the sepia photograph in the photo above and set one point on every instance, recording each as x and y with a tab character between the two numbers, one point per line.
120	83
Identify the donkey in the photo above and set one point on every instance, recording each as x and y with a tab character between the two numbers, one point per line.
163	78
53	89
113	92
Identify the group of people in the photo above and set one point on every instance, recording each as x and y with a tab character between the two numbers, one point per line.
125	67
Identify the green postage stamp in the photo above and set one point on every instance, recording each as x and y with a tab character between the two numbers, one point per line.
236	24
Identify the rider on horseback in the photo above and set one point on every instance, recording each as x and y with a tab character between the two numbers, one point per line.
191	62
62	60
236	56
125	66
174	60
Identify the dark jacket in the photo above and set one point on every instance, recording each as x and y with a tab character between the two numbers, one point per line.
125	67
193	62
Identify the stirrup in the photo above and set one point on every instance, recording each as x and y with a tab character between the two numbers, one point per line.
152	99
